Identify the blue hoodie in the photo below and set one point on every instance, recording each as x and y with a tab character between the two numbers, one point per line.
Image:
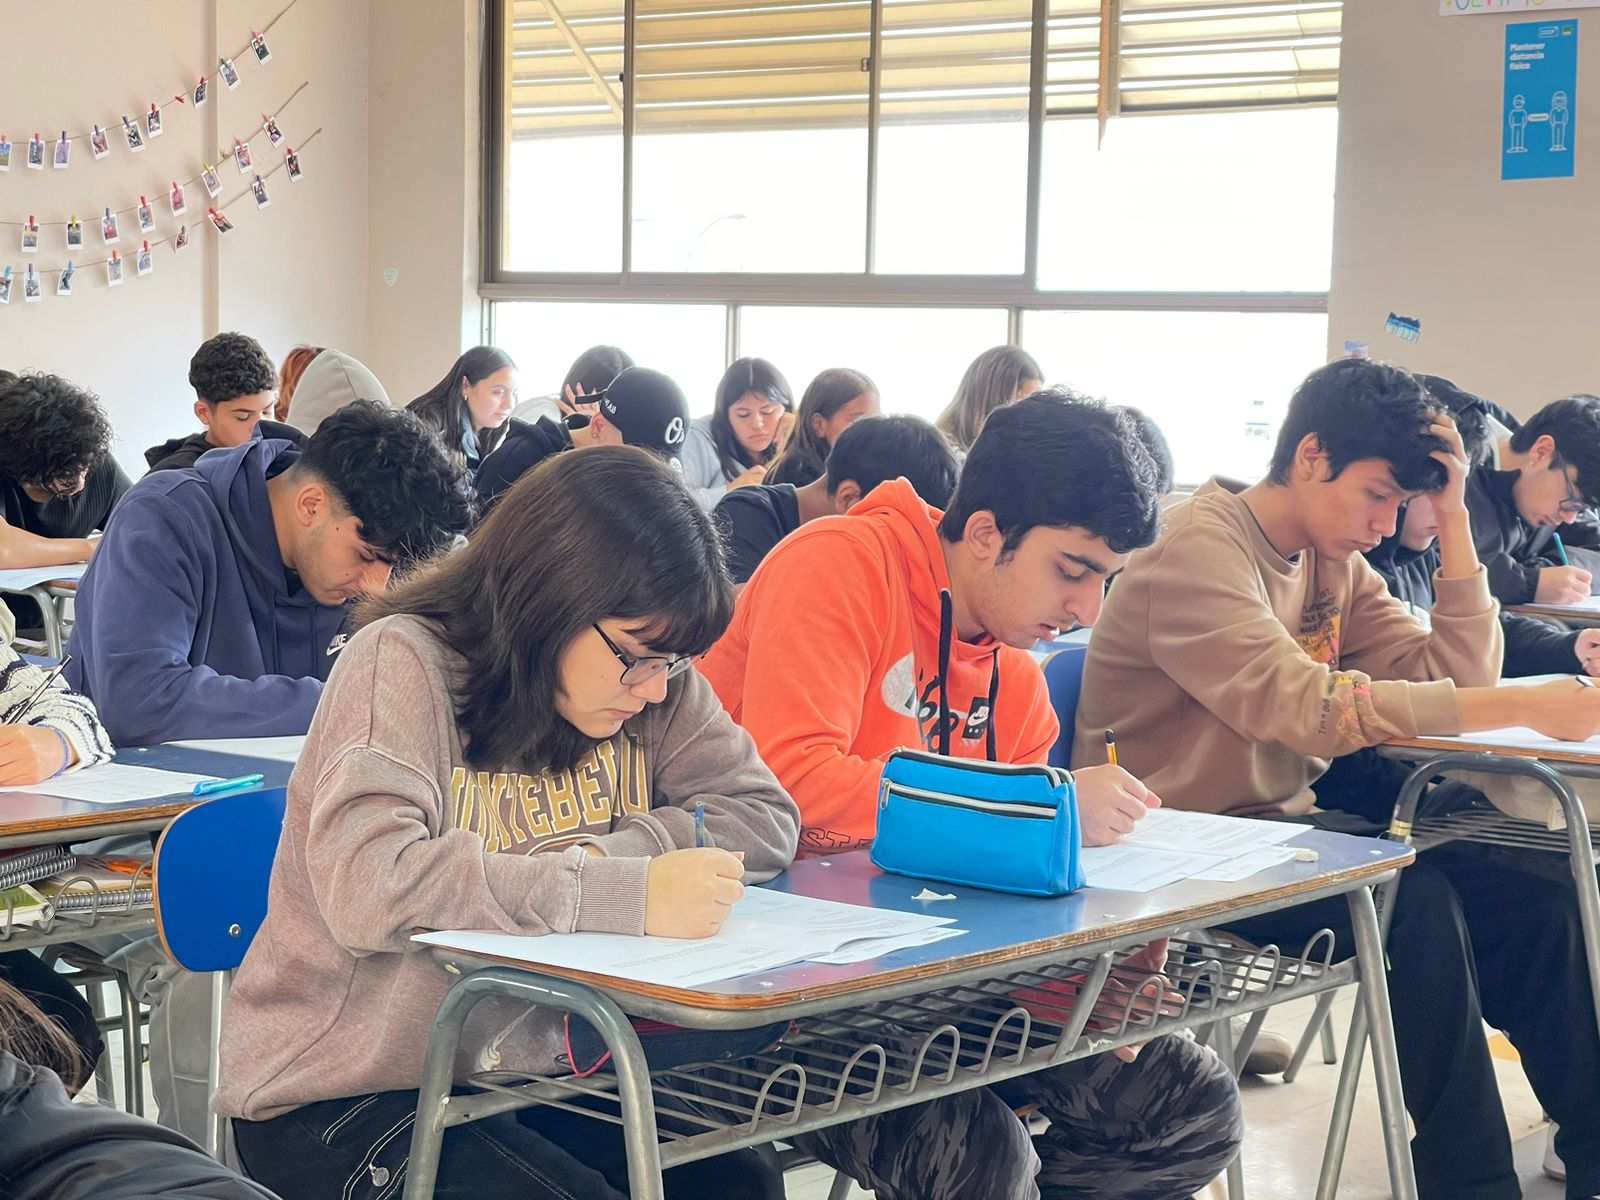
188	623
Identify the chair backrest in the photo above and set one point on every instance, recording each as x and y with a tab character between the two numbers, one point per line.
1063	675
212	868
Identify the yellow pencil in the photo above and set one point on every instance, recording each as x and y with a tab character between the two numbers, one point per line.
1111	747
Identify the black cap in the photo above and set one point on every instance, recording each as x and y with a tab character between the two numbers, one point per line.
648	409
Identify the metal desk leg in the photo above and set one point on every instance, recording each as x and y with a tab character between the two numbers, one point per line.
1580	853
1385	1059
50	615
1344	1100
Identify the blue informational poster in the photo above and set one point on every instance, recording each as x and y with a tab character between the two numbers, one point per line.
1539	125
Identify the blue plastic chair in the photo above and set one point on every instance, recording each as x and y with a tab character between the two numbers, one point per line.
1063	675
212	868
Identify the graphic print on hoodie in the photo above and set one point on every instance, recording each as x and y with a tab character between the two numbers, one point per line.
189	625
841	652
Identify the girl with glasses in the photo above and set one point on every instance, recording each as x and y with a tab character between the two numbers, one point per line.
514	740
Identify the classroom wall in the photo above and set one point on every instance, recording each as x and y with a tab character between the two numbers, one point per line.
1501	275
295	271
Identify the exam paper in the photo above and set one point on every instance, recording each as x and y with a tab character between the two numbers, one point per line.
1169	846
1128	868
19	579
117	783
1208	833
767	929
861	951
277	749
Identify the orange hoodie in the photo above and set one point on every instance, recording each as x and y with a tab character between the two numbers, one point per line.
833	661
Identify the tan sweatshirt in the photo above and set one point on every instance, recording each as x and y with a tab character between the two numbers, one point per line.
1231	674
388	830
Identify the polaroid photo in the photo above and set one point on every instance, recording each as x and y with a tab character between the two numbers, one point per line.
30	236
74	234
99	144
36	153
291	162
5	286
241	155
270	126
147	216
108	227
31	287
144	262
221	221
229	73
152	122
211	180
258	43
258	189
202	92
181	240
135	138
176	199
5	155
63	157
64	280
114	270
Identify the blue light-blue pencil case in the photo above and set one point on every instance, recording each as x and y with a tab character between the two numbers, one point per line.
980	824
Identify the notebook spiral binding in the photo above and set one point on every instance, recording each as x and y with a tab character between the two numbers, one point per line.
30	866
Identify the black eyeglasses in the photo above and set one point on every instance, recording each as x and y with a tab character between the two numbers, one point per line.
642	670
61	489
1574	505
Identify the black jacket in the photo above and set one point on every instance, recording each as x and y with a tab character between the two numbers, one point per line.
1532	647
174	454
524	447
1509	548
53	1149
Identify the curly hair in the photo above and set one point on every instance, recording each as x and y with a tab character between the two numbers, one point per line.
51	431
393	476
228	366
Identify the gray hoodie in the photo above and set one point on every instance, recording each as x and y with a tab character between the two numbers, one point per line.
332	381
389	830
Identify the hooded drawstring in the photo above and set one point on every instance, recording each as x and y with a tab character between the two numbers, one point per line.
946	636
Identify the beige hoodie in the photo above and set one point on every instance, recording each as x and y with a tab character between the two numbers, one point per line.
1231	674
389	830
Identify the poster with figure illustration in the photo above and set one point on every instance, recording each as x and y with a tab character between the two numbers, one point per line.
1538	121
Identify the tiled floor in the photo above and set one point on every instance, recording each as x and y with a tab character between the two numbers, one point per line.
1288	1123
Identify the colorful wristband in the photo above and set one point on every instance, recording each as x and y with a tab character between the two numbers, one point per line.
66	752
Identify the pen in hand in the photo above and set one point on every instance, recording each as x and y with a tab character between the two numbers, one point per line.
21	710
699	825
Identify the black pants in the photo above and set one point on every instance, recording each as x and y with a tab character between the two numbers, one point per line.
1478	938
58	1000
356	1149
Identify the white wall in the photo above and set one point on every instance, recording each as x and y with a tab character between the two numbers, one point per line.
295	271
1501	275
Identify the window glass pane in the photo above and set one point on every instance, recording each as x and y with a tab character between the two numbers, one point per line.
953	137
916	356
750	147
562	207
1238	201
1216	383
686	341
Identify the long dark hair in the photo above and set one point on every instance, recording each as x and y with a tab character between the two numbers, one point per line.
443	409
609	533
738	381
807	456
27	1034
991	382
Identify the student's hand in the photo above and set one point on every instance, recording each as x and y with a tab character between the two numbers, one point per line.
691	892
29	754
1564	709
570	406
1452	498
750	478
1562	585
1588	651
1110	803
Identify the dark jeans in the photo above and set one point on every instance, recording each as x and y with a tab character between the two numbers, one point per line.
1478	938
356	1149
57	999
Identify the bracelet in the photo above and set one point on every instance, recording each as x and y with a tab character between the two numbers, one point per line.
66	752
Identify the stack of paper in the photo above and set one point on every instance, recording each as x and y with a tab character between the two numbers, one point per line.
117	783
275	749
1169	846
20	579
767	929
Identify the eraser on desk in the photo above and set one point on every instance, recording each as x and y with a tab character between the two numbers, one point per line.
1305	856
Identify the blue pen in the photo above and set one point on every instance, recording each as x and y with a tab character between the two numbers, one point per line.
699	825
1561	551
214	786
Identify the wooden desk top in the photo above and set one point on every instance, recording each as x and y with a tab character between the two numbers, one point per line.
31	818
1574	754
1004	932
1577	614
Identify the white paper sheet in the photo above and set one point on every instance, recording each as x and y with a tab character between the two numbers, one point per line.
1245	865
1169	846
1522	738
767	929
861	951
1128	868
19	579
277	749
1589	604
1208	833
116	783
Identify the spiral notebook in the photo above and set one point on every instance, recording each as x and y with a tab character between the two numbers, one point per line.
29	866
